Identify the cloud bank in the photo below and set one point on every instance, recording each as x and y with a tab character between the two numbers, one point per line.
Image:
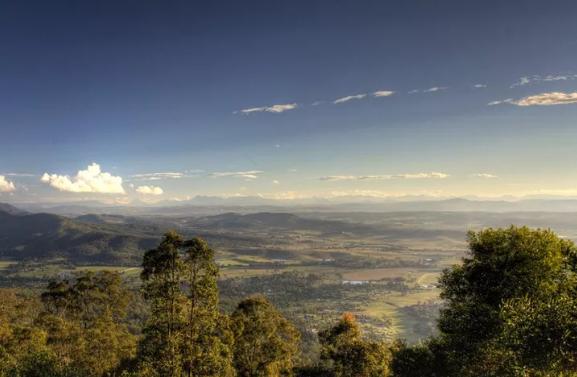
91	180
6	185
149	190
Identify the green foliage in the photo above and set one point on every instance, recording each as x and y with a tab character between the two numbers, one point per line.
184	334
266	344
542	334
345	353
83	320
510	309
19	338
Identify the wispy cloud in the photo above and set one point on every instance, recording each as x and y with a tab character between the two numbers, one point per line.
501	102
431	175
157	176
276	109
429	90
422	175
90	180
526	80
543	99
150	190
6	185
250	174
19	175
485	175
349	98
383	93
479	86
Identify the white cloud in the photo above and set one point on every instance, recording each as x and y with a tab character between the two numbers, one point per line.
548	99
19	175
90	180
6	185
271	109
349	98
479	86
501	102
383	93
434	89
432	175
276	182
251	174
429	90
149	190
526	80
158	176
522	81
422	175
485	175
543	99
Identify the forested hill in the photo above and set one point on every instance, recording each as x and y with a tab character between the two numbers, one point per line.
46	236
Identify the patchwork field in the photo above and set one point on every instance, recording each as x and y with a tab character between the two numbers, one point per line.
383	268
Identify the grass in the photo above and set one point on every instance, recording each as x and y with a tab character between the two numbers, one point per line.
389	305
4	264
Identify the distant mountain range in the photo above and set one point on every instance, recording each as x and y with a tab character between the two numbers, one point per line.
215	205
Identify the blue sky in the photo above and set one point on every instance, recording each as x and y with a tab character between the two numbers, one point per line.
145	87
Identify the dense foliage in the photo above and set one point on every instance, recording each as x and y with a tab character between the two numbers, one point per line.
510	310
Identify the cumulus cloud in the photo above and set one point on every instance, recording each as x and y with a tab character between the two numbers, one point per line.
526	80
158	176
431	175
90	180
6	185
149	190
485	175
349	98
250	174
383	93
276	109
543	99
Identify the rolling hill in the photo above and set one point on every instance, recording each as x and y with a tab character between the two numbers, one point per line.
45	236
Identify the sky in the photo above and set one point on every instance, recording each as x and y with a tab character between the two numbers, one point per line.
142	101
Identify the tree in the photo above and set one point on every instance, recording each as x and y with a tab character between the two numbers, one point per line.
184	335
506	284
20	339
347	354
162	274
84	323
266	343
